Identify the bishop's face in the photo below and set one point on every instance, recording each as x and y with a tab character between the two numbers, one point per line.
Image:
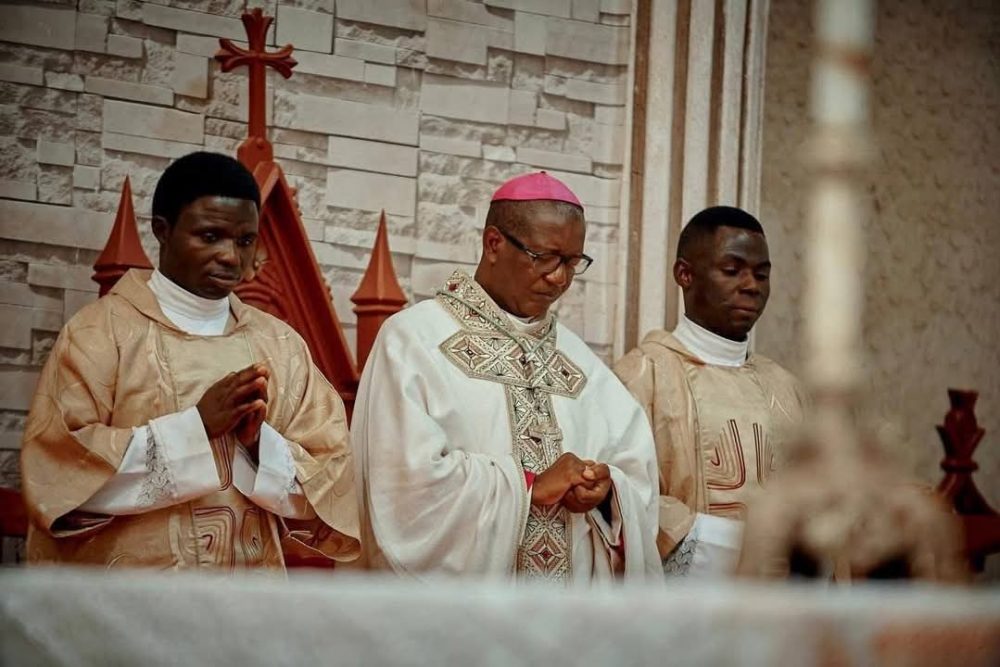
210	249
524	286
726	282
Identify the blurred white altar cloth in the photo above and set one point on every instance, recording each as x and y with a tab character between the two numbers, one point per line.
66	617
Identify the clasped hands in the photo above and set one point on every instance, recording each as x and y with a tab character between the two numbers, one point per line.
237	403
579	485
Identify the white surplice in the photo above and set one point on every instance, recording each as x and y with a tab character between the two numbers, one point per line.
457	403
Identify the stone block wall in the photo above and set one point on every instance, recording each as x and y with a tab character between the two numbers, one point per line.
932	302
420	107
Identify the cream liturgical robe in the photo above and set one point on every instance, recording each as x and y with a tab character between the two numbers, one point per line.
719	433
120	368
459	406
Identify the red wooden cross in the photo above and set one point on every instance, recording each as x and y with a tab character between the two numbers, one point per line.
256	148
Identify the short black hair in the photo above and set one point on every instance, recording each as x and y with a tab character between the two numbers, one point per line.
704	224
512	216
201	174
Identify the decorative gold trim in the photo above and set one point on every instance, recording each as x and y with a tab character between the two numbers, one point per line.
531	369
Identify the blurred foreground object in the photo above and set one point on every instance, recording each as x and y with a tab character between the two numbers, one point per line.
133	618
840	509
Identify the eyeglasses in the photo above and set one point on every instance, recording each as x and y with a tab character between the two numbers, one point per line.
547	262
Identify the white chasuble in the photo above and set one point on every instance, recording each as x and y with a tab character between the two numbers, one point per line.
458	409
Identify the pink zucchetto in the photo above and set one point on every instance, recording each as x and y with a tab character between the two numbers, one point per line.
539	185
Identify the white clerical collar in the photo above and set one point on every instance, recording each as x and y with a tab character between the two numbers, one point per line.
711	347
191	313
520	324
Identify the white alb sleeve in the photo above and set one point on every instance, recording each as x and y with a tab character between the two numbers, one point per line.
710	549
611	533
167	462
271	484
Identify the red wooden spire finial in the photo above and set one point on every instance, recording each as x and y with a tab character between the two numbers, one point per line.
960	435
123	250
379	294
256	148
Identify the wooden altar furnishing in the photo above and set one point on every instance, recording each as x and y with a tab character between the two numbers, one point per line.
13	514
960	435
123	251
378	296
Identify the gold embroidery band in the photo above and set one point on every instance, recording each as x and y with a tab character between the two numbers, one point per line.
531	370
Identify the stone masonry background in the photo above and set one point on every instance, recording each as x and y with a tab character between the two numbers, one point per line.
421	107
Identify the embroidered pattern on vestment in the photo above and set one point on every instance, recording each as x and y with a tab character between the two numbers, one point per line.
291	483
214	529
531	370
731	510
725	467
159	483
765	455
678	562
